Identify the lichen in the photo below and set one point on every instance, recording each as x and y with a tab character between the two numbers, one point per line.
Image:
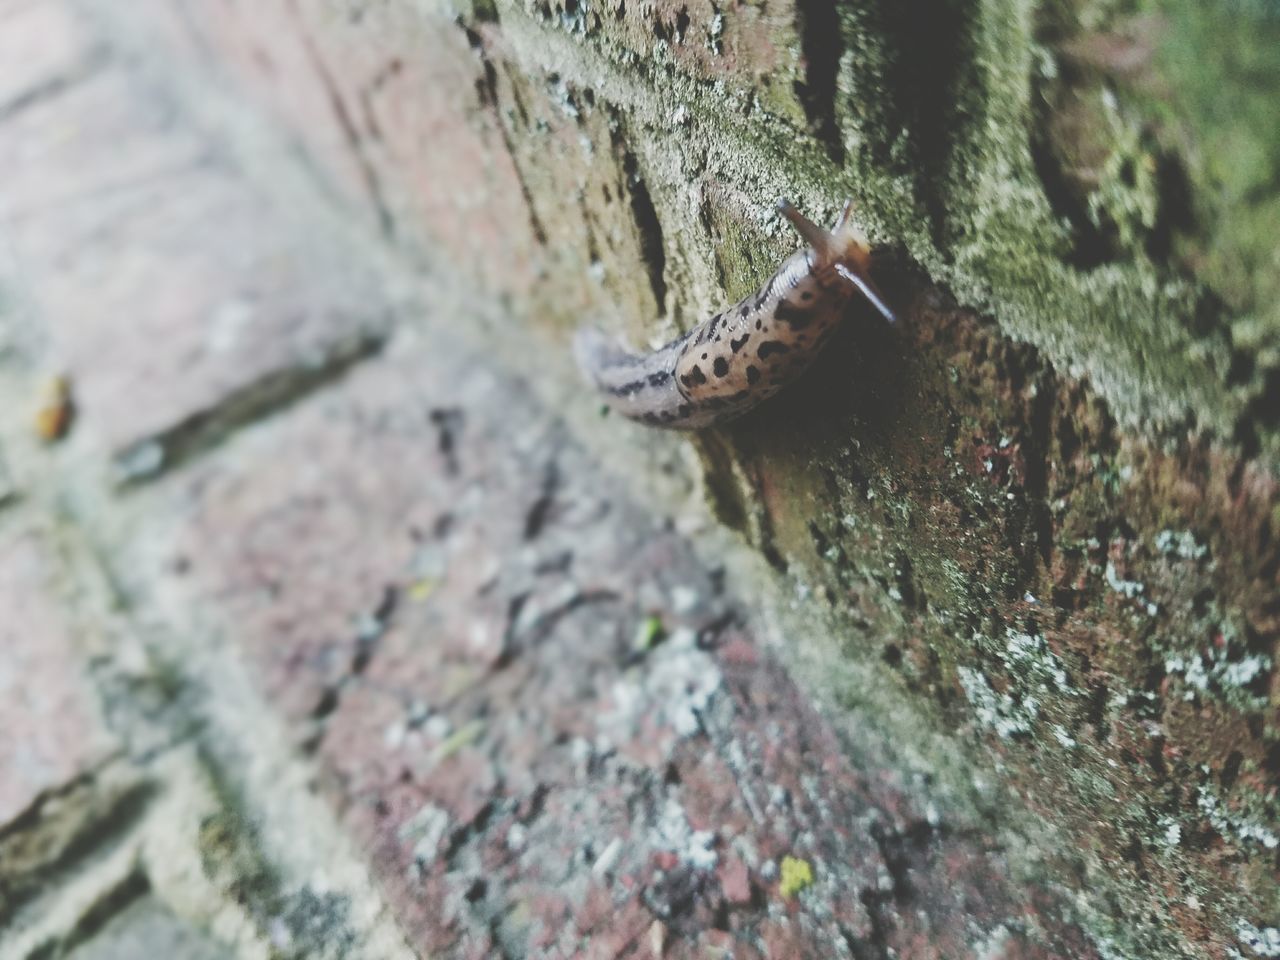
796	875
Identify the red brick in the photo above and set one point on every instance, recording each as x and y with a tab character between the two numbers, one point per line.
536	196
167	283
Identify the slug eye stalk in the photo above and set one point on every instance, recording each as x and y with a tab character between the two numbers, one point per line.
841	248
867	291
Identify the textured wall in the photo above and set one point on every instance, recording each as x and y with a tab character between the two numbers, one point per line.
1036	531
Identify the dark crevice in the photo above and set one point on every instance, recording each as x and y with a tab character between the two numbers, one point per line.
116	899
861	949
55	86
652	244
1231	769
373	625
879	907
912	598
894	848
546	622
487	93
930	63
1091	246
1096	711
1263	407
822	44
448	422
1175	211
476	826
682	24
107	827
539	512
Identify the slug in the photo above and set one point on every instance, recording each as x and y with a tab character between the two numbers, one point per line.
730	363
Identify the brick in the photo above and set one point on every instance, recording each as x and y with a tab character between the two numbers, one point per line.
173	292
443	603
54	730
371	98
540	196
752	51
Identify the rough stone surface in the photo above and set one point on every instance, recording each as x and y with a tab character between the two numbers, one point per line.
1055	528
991	669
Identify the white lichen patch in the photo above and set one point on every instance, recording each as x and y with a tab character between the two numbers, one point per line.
999	711
1261	941
1170	835
675	688
1182	545
696	848
1130	589
1035	673
1216	671
1030	658
1231	824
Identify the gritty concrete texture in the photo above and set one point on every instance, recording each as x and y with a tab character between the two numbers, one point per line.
964	647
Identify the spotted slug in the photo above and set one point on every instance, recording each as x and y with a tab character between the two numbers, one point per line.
728	364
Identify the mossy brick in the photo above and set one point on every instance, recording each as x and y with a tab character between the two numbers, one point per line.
1097	608
752	51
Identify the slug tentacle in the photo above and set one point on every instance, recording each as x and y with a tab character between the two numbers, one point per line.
868	290
730	363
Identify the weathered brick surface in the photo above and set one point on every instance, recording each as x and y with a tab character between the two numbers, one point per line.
541	196
201	306
541	714
53	728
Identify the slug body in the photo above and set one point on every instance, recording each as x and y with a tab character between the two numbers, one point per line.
731	362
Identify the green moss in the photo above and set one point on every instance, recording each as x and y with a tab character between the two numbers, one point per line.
1219	67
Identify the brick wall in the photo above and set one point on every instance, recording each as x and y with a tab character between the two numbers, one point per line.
349	626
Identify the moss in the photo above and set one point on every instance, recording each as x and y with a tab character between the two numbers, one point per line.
1219	68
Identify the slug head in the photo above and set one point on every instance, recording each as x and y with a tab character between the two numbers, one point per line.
842	249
